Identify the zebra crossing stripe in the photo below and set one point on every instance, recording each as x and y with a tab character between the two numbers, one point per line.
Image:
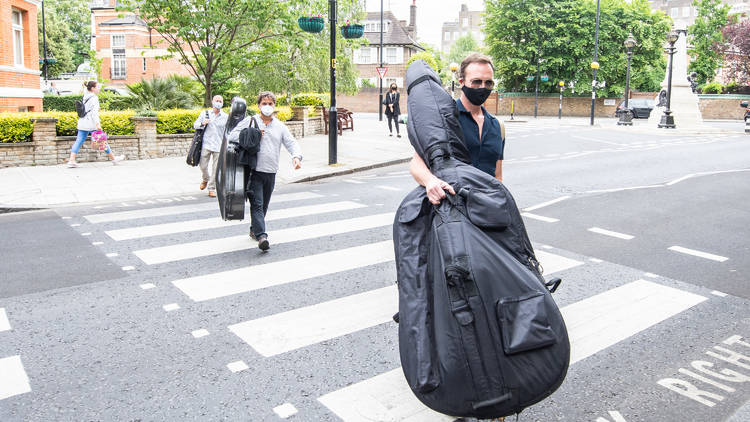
4	323
13	379
204	248
183	209
215	222
286	331
593	325
242	280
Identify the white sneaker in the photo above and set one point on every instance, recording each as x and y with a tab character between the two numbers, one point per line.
72	164
117	159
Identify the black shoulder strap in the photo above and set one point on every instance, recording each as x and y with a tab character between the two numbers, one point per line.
416	81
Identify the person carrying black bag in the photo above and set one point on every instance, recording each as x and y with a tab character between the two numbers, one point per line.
392	108
213	127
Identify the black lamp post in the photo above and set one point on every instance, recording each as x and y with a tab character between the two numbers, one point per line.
44	44
667	120
595	64
536	87
453	67
561	84
380	101
332	113
626	117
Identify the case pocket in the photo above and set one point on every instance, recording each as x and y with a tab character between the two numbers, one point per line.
524	324
487	209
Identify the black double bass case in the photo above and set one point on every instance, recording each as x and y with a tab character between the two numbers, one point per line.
479	333
230	174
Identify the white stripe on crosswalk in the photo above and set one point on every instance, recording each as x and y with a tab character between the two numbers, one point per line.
183	209
13	379
593	325
706	255
540	217
204	248
301	327
212	223
4	323
212	286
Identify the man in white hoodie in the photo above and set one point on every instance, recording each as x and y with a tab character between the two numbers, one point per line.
275	133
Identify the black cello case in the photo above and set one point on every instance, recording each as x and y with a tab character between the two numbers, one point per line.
479	333
230	174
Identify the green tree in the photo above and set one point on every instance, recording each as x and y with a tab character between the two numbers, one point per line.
560	35
462	47
58	36
706	38
68	22
160	94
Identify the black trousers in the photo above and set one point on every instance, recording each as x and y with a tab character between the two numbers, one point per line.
393	117
259	190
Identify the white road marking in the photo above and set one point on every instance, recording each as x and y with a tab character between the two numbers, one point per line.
291	330
146	286
97	243
75	225
531	157
86	234
670	183
183	209
302	327
390	188
546	247
67	218
540	217
112	254
237	243
128	268
171	307
601	141
544	204
651	275
353	181
699	254
596	260
211	223
237	366
611	233
616	417
13	378
718	293
200	333
594	324
242	280
4	323
285	410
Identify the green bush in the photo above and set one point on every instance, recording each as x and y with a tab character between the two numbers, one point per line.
310	99
732	88
110	101
176	121
15	127
284	113
60	102
713	88
160	94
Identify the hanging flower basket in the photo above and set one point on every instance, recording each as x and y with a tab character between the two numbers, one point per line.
313	24
352	31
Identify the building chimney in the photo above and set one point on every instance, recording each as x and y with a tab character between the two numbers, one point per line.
413	19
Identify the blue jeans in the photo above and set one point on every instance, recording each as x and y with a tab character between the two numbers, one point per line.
81	138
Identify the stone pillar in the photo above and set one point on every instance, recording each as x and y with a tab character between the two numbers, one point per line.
145	130
44	138
301	114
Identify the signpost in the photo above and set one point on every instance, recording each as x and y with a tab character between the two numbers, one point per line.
381	71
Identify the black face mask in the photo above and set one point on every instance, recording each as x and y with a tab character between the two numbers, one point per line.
476	96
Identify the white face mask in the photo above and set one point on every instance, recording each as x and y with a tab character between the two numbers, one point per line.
267	110
218	105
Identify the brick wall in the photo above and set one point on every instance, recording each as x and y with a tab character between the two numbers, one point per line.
549	106
715	107
27	78
366	100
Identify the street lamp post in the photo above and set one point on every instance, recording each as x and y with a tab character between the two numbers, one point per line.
453	67
667	119
561	84
536	87
595	64
380	102
44	44
626	117
332	113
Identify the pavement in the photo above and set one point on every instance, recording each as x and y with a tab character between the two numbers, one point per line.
366	148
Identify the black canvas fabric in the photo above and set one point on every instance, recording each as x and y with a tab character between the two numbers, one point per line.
230	174
479	333
196	146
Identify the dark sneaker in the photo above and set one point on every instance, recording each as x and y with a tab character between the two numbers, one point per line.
263	243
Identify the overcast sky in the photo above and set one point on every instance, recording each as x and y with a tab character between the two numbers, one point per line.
430	14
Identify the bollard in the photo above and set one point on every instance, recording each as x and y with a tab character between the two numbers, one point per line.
511	109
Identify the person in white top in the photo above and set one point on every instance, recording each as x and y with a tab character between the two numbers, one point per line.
214	124
262	181
89	123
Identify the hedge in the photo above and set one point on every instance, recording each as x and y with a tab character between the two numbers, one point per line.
107	101
15	127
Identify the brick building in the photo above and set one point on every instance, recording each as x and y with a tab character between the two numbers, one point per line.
20	86
470	22
398	46
129	49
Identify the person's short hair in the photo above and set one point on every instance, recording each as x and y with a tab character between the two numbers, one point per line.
474	58
266	94
90	85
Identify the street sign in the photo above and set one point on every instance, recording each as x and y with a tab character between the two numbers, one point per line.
544	78
381	71
529	78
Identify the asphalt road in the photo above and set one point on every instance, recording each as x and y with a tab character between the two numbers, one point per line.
155	310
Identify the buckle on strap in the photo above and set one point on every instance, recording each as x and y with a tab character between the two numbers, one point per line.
462	312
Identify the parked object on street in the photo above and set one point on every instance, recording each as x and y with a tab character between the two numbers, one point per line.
640	107
230	174
479	333
88	121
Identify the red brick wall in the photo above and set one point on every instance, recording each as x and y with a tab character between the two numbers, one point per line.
11	79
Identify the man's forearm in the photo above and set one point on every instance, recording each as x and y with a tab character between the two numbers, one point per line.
419	170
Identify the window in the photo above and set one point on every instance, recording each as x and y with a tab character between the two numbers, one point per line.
118	64
100	3
391	55
674	12
118	41
375	26
455	35
465	22
447	36
17	20
364	55
144	65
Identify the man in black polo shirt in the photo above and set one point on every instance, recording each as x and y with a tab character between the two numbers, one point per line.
481	130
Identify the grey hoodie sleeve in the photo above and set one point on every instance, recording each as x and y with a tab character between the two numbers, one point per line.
291	144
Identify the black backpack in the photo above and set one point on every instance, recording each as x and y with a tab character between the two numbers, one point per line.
81	107
196	146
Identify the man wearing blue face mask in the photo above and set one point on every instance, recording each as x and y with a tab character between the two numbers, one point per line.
214	123
481	130
261	184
